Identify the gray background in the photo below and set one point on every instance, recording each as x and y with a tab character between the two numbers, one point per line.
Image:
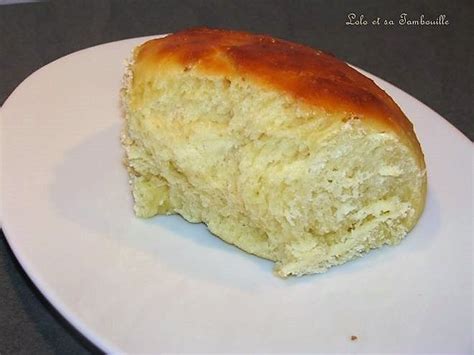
432	63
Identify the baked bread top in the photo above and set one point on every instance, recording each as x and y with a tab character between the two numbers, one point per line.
312	76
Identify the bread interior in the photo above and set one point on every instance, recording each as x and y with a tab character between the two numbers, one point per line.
295	184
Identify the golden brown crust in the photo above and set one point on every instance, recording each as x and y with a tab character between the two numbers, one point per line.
310	75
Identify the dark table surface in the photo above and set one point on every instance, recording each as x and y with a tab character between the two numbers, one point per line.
432	63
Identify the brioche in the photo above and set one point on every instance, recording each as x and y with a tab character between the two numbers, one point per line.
280	149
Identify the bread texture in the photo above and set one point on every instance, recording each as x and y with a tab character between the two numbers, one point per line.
280	149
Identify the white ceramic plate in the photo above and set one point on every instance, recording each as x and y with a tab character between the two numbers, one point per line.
164	285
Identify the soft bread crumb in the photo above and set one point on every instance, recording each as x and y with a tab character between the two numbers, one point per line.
291	183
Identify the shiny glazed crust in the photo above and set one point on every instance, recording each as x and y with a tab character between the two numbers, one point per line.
312	76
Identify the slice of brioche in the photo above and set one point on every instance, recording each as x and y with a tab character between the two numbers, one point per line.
280	149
